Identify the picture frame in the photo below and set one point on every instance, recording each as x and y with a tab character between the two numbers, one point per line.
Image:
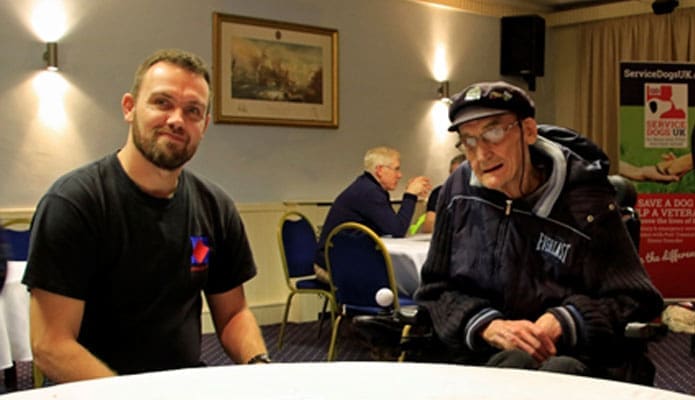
274	73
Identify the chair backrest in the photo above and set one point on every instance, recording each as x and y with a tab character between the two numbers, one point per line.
625	190
17	236
626	197
297	241
359	265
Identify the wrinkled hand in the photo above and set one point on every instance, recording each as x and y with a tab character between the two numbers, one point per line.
419	186
550	326
535	339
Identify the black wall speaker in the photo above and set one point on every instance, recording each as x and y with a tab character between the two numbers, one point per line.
523	46
664	6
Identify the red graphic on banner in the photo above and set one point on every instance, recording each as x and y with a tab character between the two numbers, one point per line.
663	93
666	121
667	241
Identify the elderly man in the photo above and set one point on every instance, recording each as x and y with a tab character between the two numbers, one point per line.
367	201
530	265
121	248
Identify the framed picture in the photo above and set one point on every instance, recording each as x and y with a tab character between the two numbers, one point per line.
274	73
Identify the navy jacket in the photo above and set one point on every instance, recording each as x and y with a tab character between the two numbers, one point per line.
366	202
567	253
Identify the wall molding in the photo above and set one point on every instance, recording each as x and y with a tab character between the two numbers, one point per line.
7	214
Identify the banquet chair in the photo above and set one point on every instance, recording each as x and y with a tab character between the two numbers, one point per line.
359	266
17	235
297	242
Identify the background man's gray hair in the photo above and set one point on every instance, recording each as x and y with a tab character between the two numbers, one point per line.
381	155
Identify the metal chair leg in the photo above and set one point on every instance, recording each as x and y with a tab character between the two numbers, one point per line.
284	319
404	336
37	375
11	378
334	337
323	316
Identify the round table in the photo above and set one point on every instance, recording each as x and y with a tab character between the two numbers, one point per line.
347	380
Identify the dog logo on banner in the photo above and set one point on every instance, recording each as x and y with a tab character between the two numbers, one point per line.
665	115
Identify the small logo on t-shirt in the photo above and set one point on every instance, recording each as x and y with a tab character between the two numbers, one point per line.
200	253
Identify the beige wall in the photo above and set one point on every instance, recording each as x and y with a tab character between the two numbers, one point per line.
387	92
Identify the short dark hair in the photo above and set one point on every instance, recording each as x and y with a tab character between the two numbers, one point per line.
458	159
181	58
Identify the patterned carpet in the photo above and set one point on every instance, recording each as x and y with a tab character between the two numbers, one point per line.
302	343
675	365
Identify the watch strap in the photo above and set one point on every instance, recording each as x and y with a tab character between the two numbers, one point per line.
262	358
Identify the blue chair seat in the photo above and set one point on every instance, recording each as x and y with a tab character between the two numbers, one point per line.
359	266
312	283
18	243
352	310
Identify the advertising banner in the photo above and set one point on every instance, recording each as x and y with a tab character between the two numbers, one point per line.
657	110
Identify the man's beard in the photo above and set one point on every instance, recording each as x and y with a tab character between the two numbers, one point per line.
164	156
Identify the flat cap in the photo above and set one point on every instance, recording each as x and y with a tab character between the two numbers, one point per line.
485	99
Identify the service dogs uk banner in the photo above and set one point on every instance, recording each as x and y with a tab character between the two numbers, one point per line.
657	114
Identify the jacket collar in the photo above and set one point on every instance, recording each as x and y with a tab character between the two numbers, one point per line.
556	180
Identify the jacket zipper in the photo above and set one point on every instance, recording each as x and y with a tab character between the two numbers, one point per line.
501	233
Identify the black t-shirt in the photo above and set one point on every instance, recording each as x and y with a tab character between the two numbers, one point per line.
432	200
3	258
138	262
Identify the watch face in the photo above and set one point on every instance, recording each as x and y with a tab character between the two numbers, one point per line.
261	358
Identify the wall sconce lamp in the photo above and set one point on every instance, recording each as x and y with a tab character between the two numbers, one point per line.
51	56
443	92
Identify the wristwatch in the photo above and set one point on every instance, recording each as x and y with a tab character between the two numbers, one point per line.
262	358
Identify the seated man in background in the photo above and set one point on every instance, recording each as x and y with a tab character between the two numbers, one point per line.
430	214
530	265
4	255
367	201
121	248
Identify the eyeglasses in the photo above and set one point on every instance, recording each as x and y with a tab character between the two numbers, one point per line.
490	136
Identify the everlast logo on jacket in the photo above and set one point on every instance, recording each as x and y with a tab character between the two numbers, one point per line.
553	247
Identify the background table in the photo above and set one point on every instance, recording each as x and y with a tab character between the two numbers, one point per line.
14	317
407	256
347	380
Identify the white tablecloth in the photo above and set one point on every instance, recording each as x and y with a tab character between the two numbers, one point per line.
14	317
349	381
407	256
